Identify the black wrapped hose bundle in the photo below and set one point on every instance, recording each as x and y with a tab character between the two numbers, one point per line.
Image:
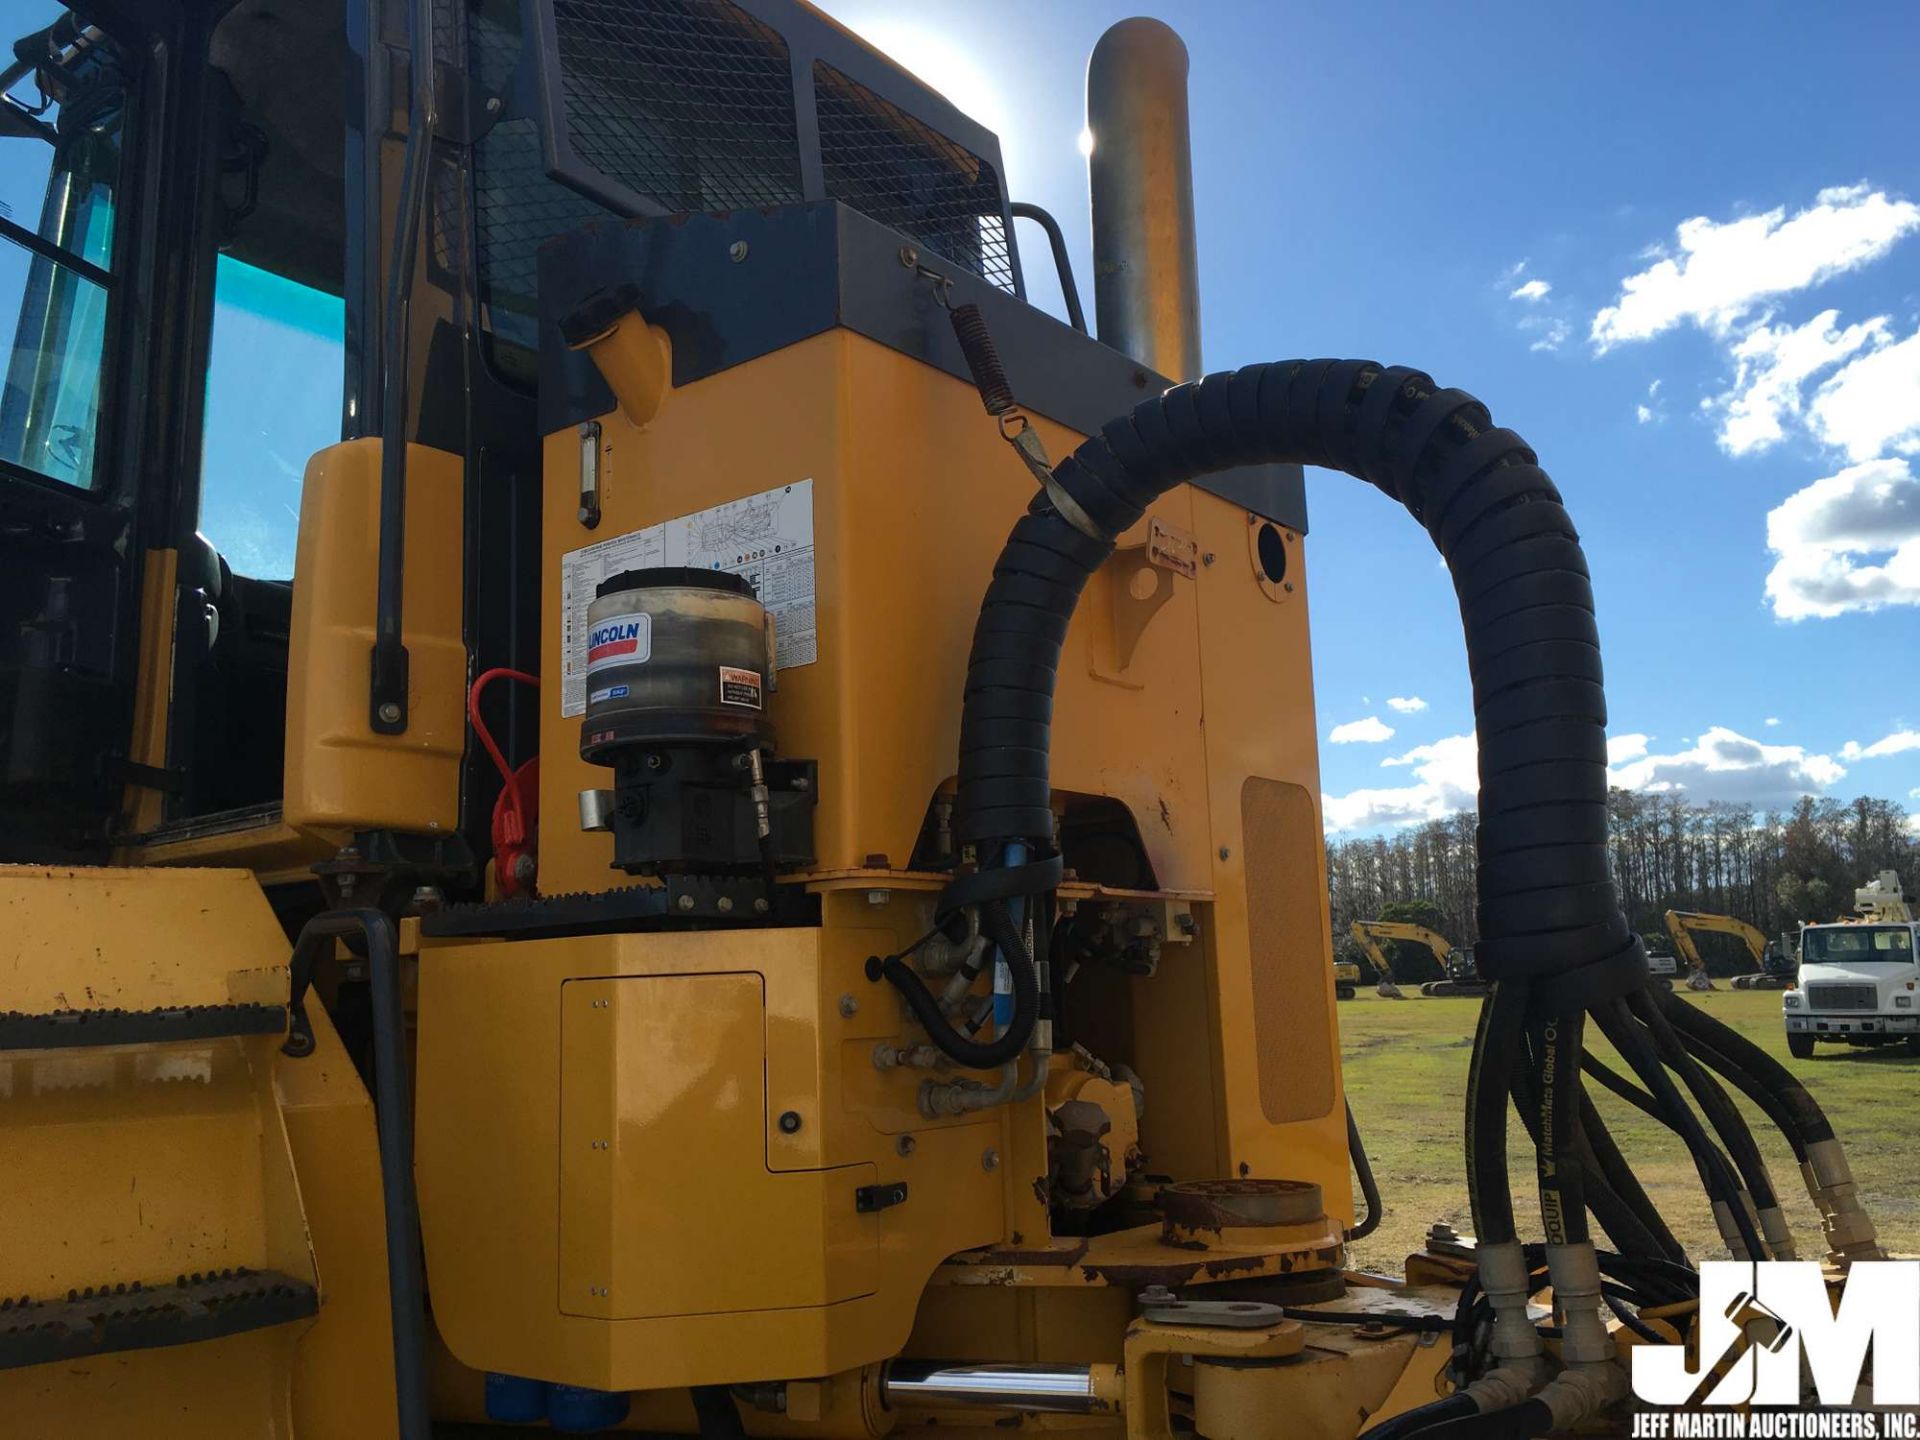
1553	939
1547	907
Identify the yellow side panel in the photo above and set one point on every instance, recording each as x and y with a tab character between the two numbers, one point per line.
1255	657
330	1125
730	1247
656	1070
1292	1043
914	493
340	774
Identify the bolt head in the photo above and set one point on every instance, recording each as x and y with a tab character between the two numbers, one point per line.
494	104
724	904
789	1121
390	712
685	902
990	1159
737	251
760	905
1225	853
904	1146
1207	559
909	256
849	1007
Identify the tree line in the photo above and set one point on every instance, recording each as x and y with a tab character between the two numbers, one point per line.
1775	870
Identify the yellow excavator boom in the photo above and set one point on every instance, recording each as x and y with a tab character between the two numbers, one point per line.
1682	923
1369	933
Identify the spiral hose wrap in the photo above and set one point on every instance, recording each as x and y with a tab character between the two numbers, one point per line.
1547	908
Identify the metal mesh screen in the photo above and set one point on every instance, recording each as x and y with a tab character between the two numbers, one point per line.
687	102
881	160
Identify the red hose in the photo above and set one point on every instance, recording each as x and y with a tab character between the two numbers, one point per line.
516	812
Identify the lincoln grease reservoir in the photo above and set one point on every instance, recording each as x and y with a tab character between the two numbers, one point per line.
678	669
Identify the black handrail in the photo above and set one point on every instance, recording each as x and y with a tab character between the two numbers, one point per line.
393	1106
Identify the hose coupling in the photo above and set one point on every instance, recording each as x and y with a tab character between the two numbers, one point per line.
1505	1282
1575	1273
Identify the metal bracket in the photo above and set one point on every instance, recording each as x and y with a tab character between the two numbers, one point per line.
870	1198
1142	583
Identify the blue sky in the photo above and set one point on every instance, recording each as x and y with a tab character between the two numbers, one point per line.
1624	228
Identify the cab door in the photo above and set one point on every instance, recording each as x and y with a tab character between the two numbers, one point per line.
68	557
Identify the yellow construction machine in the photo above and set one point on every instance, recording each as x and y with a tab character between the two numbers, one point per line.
1773	963
1458	975
601	740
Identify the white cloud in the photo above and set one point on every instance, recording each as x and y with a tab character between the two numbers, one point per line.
1820	534
1872	406
1530	290
1725	765
1447	779
1774	364
1552	333
1370	731
1622	748
1771	721
1643	414
1899	742
1723	271
1721	765
1407	704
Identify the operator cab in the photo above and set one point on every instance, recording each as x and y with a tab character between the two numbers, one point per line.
172	256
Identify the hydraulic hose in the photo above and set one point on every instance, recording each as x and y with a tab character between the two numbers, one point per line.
1547	907
1369	1186
1773	1084
997	923
1434	1412
1727	1121
1612	1167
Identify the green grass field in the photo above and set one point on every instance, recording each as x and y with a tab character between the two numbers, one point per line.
1406	1074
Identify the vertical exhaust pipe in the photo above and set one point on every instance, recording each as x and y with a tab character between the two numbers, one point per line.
1146	281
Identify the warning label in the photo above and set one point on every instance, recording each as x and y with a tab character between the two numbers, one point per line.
768	538
739	687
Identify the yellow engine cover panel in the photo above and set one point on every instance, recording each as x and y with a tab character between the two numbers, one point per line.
663	1083
608	1194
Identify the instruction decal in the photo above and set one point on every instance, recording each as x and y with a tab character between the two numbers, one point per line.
767	538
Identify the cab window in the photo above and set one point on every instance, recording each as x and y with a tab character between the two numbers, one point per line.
61	119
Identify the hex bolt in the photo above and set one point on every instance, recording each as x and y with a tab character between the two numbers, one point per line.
390	712
1207	559
1225	853
760	905
1287	585
849	1007
737	251
904	1146
494	104
685	902
990	1159
789	1121
909	256
723	904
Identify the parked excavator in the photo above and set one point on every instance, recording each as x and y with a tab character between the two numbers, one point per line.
640	799
1458	975
1773	963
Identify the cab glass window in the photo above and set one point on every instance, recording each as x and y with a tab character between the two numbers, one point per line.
274	383
61	119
